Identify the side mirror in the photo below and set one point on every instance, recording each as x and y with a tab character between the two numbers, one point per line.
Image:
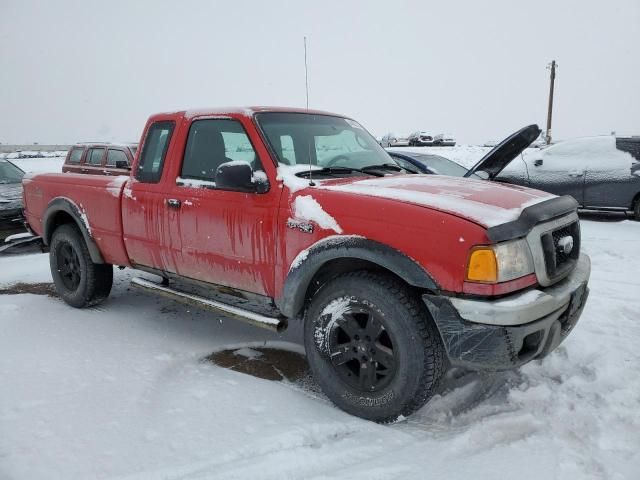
538	162
123	164
238	175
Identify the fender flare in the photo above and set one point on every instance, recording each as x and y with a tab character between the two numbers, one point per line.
310	261
63	204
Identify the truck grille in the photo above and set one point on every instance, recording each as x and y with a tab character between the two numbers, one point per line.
561	249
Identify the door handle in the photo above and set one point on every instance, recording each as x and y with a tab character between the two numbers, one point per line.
576	174
173	203
84	170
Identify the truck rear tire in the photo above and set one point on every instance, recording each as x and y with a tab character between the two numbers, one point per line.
79	282
372	346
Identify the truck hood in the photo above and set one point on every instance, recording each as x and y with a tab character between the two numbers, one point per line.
486	203
503	153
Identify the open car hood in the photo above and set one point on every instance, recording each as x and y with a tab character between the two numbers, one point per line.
508	149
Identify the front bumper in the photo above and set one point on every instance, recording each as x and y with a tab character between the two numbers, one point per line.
509	332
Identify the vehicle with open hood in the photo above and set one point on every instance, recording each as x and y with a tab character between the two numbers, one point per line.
601	173
274	216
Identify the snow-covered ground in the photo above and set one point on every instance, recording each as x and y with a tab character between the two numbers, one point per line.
121	391
41	164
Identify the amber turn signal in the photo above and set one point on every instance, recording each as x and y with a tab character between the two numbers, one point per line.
483	266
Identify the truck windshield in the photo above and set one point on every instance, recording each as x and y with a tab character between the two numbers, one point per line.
322	140
9	173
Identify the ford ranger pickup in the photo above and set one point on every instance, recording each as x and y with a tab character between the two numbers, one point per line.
274	215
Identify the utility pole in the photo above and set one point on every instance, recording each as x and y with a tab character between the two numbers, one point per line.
551	67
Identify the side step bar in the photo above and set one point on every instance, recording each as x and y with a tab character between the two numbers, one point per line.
275	324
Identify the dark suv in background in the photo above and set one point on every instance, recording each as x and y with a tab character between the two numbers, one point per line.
100	158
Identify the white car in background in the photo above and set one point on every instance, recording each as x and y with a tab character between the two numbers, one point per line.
444	140
395	140
421	139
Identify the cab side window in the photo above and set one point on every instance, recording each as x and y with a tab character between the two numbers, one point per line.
213	142
154	151
94	157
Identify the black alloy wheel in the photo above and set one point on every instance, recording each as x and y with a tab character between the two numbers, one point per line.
361	349
68	265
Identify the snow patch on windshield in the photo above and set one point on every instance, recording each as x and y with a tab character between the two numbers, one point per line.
306	207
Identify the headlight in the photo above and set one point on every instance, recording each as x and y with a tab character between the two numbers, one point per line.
500	263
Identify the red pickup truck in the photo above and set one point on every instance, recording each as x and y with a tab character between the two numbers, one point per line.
273	215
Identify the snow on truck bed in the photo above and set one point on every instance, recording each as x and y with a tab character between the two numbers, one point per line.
121	391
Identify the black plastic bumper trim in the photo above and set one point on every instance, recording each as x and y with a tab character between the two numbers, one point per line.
531	216
479	346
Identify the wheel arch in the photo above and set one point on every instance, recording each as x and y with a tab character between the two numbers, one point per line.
61	211
340	254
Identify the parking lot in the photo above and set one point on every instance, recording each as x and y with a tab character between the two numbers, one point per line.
125	390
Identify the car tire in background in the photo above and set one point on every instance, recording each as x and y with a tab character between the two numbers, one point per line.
78	280
372	346
636	209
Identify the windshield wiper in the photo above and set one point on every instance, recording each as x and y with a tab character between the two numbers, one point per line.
338	170
387	166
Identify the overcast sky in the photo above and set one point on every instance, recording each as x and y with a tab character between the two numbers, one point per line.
94	70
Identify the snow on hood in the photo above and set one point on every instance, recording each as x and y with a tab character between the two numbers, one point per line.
486	203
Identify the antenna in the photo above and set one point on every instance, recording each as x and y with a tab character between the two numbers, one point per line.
306	86
306	74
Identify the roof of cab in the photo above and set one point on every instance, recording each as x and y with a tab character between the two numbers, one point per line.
243	111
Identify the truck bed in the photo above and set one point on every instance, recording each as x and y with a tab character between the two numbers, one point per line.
98	200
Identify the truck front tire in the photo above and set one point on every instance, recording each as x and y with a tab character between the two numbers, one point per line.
79	282
372	346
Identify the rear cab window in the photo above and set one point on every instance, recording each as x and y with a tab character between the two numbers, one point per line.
154	151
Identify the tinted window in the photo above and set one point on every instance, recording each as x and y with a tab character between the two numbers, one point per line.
322	140
406	164
114	156
76	155
95	156
441	166
212	143
153	152
9	173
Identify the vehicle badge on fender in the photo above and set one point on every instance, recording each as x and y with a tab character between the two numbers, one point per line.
304	227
